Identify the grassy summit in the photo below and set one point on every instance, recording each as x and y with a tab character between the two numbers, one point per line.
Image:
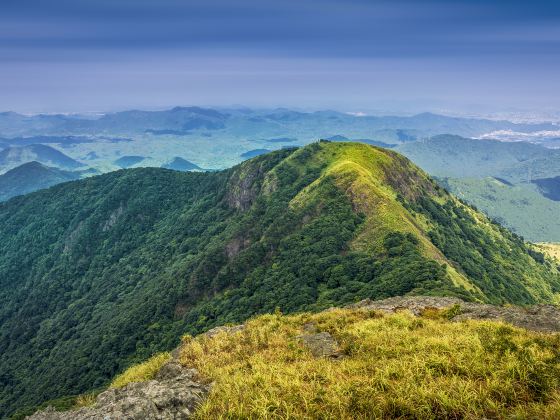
100	273
388	366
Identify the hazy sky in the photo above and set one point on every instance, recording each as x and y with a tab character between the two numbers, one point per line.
92	55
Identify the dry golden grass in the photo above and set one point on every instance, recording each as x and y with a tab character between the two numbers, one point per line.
552	249
395	366
141	372
85	400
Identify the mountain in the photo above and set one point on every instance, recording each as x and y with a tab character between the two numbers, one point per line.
180	119
128	161
513	182
520	207
276	123
99	273
180	164
31	176
16	156
549	187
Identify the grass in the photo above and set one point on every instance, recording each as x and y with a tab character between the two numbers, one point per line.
85	400
394	366
552	249
361	171
141	372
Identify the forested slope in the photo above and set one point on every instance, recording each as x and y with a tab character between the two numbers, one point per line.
99	273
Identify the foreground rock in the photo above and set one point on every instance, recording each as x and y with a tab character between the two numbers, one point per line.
544	318
173	394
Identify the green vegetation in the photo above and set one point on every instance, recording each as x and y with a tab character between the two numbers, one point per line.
30	177
392	366
513	183
520	207
141	372
98	274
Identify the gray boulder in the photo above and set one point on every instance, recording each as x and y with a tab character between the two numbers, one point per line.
173	394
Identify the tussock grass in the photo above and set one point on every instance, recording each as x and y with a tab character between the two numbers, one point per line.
85	400
394	366
141	372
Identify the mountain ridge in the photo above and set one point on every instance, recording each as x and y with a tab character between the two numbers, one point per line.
122	264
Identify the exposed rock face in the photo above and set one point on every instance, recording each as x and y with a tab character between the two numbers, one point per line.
321	344
173	394
227	329
244	186
537	318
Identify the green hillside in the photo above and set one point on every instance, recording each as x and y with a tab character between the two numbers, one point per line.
100	273
512	182
520	207
30	177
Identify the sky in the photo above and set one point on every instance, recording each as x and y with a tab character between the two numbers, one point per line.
350	55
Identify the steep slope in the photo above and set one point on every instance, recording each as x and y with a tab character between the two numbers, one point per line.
31	177
497	177
98	273
16	156
520	207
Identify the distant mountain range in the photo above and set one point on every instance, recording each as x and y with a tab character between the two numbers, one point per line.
184	120
221	138
456	156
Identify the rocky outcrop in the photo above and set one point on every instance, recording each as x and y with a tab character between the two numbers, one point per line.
244	186
537	318
320	344
174	393
227	329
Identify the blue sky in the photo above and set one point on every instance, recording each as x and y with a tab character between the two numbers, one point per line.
86	55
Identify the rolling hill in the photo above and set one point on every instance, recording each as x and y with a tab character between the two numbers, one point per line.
31	176
520	207
128	161
11	157
180	164
99	273
459	157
